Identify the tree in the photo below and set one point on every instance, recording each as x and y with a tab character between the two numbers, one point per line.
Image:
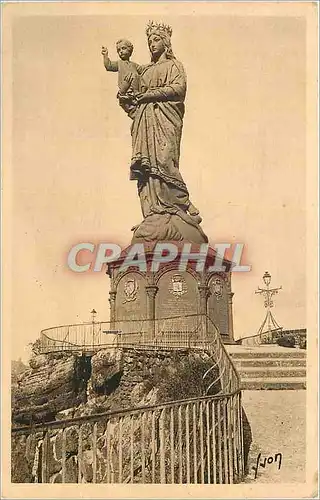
35	347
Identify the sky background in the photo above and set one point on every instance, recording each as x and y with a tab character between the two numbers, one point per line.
243	157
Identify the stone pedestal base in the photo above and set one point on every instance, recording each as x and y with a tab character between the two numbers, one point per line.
137	295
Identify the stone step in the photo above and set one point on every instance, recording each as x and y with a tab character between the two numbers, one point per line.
272	372
261	362
257	353
290	383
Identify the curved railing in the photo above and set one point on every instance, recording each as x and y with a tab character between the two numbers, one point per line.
173	331
272	337
255	340
226	373
198	440
194	331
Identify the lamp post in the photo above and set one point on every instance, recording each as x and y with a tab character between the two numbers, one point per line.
93	314
269	319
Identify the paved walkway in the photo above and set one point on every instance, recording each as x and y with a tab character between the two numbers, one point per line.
278	425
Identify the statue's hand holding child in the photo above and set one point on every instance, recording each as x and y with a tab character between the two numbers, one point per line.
143	97
126	84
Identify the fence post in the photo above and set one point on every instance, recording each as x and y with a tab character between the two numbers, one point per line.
194	436
64	455
120	449
94	453
230	437
80	455
242	465
44	457
162	447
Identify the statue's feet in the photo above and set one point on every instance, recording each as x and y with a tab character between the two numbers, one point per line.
194	213
192	209
196	218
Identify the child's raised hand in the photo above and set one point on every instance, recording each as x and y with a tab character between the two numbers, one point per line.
104	51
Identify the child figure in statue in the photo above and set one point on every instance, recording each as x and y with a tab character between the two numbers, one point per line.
128	71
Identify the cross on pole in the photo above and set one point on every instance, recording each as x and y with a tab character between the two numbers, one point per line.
269	321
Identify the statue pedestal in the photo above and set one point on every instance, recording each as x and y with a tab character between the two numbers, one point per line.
150	297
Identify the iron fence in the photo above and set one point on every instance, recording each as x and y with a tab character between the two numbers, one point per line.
194	331
195	441
272	337
174	331
199	440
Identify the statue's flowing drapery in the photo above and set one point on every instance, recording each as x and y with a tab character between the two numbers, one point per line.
156	136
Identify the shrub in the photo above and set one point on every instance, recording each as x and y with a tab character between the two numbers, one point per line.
286	341
303	343
35	347
182	379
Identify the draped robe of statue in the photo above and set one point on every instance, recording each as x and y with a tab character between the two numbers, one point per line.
156	136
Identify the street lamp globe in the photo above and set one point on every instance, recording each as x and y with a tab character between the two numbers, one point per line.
267	278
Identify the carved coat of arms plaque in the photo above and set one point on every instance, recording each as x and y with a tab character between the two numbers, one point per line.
130	290
217	288
178	286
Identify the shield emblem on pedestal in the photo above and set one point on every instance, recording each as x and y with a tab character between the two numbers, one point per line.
178	285
217	288
130	290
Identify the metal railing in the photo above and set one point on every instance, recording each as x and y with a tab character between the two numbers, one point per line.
174	331
199	440
269	338
195	441
194	331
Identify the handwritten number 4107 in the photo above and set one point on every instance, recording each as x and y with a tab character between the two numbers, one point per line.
266	461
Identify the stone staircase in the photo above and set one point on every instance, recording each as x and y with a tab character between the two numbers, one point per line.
271	367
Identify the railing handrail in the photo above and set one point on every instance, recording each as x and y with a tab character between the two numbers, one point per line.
259	334
235	372
209	339
144	320
68	422
59	340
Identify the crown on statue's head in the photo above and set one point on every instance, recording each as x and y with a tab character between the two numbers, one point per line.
159	29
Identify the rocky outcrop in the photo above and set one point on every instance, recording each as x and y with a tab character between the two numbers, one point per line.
52	383
59	387
128	378
17	368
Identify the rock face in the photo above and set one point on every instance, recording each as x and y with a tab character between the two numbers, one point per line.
133	377
53	383
17	368
59	387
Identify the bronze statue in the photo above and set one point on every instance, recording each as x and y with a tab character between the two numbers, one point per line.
155	103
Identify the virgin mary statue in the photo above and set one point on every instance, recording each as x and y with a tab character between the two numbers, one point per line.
157	112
